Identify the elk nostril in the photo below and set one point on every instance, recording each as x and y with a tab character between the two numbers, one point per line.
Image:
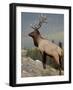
28	34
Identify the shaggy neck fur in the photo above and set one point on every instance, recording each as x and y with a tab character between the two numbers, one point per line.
36	39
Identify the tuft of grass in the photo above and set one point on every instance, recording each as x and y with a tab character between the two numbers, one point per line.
34	54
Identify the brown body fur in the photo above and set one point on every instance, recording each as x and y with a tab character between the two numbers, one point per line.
47	48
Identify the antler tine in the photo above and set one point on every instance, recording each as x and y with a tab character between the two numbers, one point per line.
36	26
42	20
33	27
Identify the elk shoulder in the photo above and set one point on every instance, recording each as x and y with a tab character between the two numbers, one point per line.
49	47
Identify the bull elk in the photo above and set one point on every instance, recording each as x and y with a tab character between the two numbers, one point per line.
46	47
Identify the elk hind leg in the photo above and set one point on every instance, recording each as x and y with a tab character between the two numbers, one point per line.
58	62
60	65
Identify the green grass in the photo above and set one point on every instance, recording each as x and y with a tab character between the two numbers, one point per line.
34	54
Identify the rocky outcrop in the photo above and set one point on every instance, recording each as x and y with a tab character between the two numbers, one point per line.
31	68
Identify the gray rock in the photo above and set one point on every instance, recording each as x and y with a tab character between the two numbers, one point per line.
31	68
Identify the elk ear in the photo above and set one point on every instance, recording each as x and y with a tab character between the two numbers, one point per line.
37	31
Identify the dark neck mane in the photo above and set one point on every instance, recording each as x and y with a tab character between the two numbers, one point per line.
35	42
36	39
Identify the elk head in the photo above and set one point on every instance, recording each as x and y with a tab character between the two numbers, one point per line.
34	33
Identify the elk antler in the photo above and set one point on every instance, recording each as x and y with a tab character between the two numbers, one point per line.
42	19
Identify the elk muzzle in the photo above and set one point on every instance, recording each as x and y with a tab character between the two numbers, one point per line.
30	34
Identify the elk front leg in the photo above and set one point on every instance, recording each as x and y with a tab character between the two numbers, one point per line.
44	60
